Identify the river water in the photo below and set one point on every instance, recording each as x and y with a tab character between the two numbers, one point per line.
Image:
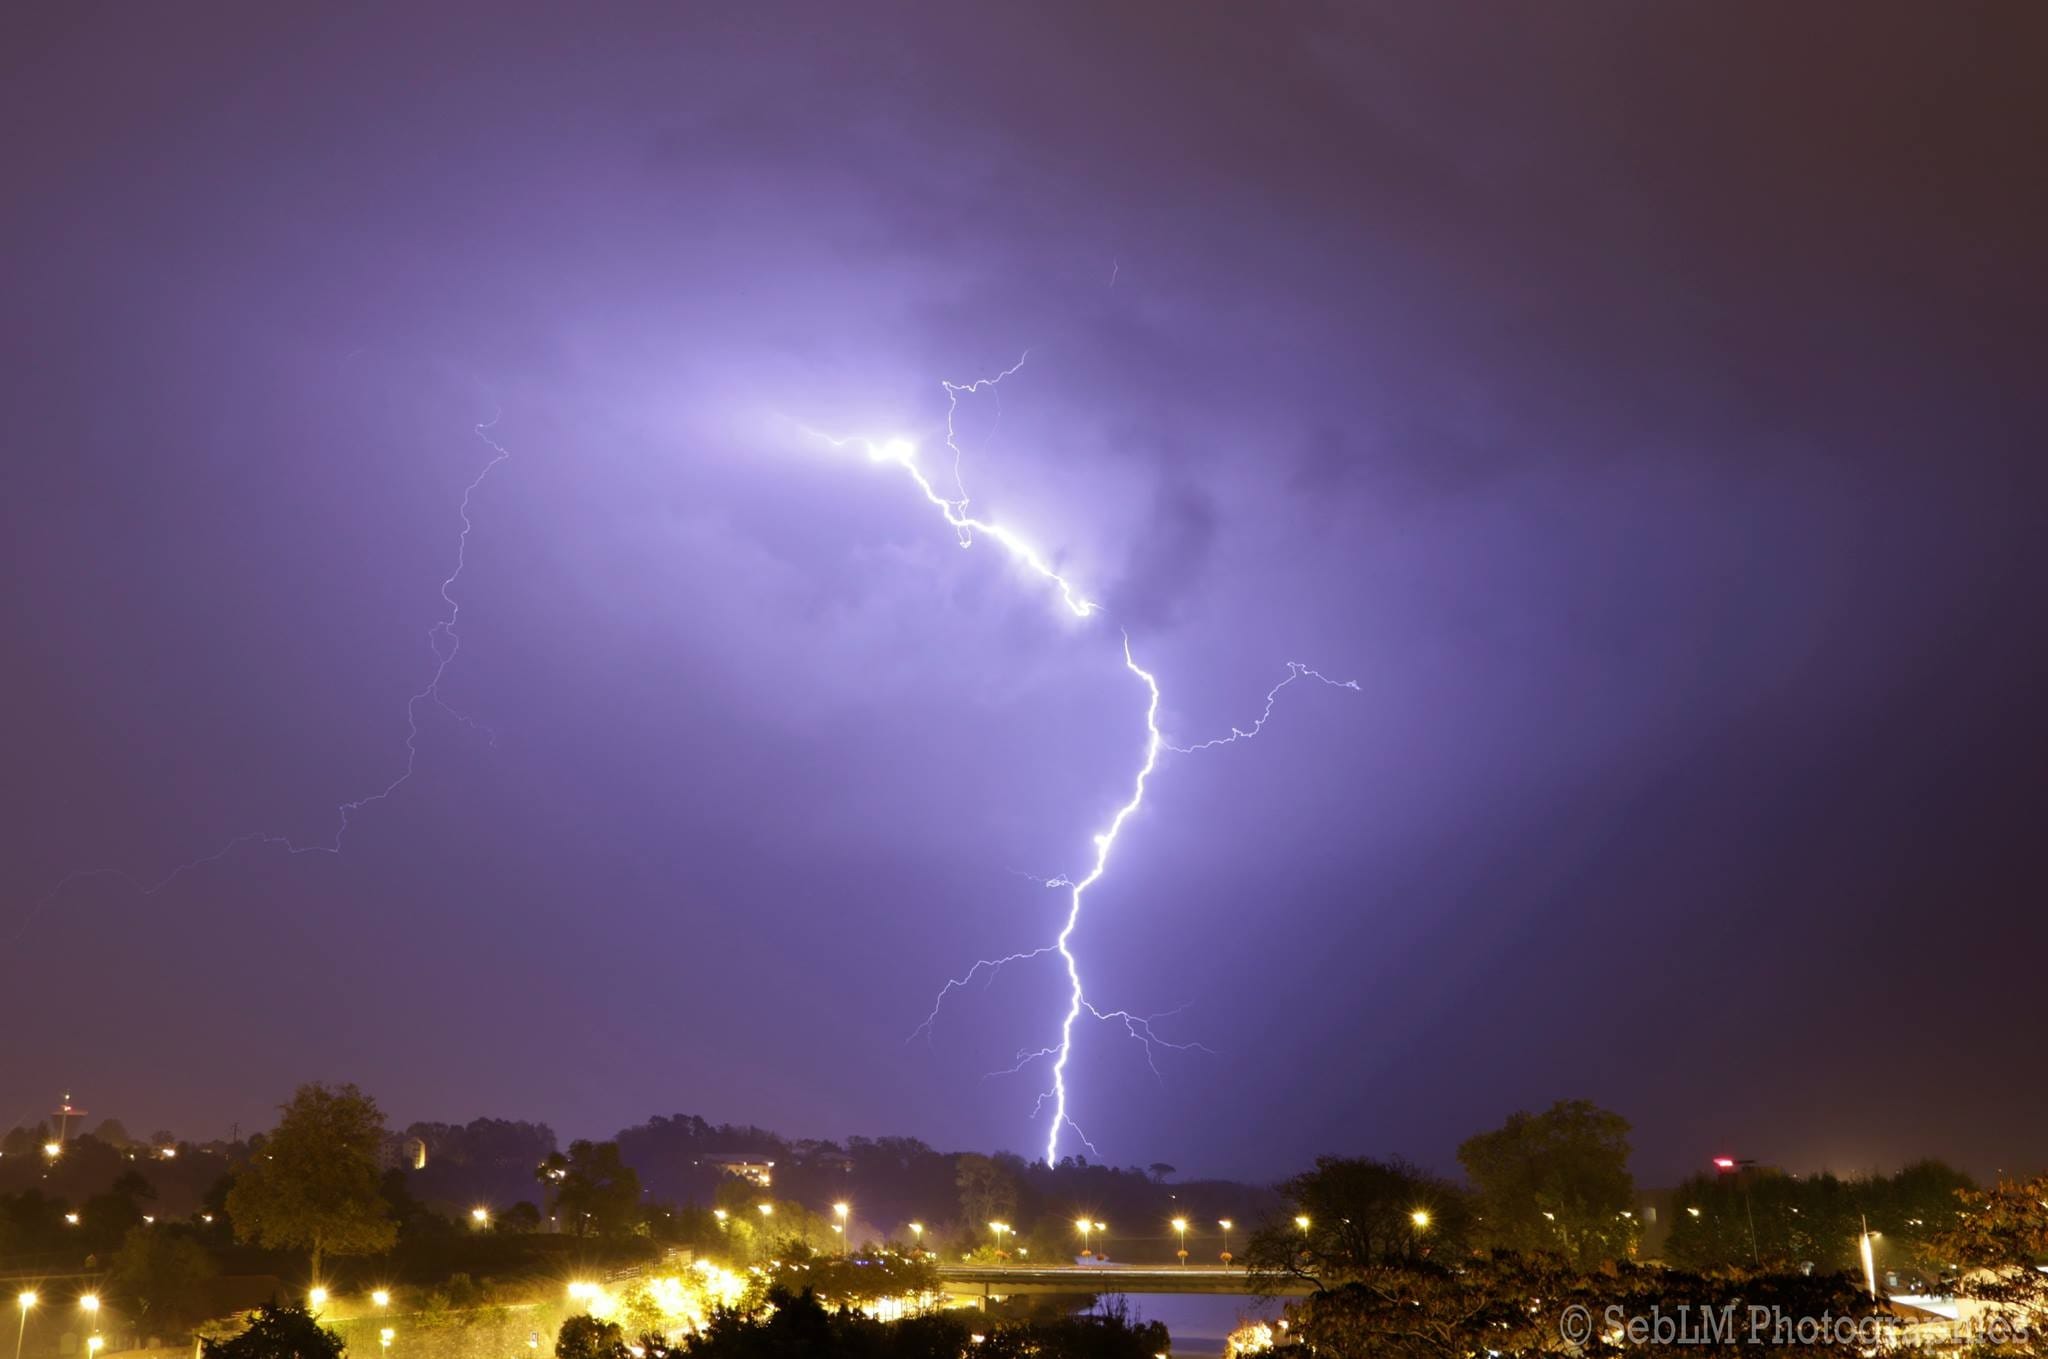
1200	1321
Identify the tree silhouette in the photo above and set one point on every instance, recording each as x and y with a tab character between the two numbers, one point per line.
1556	1181
277	1331
593	1189
314	1185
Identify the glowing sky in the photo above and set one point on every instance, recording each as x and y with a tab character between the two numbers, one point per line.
1642	405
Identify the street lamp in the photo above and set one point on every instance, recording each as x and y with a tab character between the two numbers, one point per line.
24	1300
720	1214
840	1211
481	1217
1084	1226
999	1228
767	1210
92	1346
1728	1165
90	1303
1180	1225
384	1338
1224	1223
917	1230
1301	1222
317	1297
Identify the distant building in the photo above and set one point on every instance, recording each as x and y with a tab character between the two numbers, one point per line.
1653	1221
741	1166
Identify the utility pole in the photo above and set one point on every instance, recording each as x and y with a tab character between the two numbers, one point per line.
1729	1165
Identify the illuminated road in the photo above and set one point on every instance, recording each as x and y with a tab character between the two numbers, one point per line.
979	1281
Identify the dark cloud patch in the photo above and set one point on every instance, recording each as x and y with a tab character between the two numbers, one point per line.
1169	559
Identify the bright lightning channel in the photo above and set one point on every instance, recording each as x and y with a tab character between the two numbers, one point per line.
442	641
903	454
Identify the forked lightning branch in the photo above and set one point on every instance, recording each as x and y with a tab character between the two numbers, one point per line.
902	454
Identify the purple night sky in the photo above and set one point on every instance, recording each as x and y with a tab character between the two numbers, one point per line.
1644	405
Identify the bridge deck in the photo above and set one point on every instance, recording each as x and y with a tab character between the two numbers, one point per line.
980	1281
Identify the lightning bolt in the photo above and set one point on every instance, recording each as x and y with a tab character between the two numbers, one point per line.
954	391
901	453
1295	671
1138	1027
1104	843
443	642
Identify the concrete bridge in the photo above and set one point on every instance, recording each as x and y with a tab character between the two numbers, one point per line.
996	1281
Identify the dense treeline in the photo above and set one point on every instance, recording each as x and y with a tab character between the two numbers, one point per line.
659	1181
468	1214
1769	1219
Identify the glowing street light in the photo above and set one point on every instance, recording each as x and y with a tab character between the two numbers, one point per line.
24	1300
917	1230
1000	1229
90	1303
1301	1223
766	1209
720	1214
840	1211
481	1217
317	1297
384	1339
1180	1225
53	1149
1224	1223
92	1345
1084	1226
381	1298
